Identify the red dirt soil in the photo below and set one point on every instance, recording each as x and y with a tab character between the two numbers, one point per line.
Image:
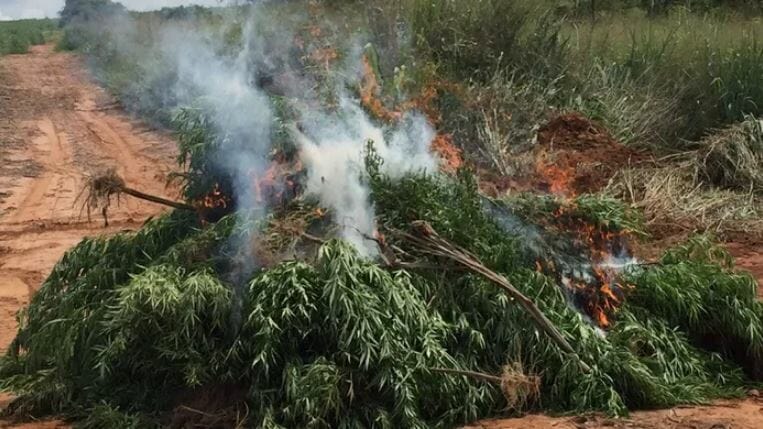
749	257
56	128
576	155
573	155
747	414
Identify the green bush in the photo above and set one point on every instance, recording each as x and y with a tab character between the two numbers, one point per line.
124	324
694	289
17	36
678	76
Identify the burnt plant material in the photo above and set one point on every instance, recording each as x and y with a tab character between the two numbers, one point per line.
330	339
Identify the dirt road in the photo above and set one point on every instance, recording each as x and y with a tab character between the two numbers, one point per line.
747	414
56	128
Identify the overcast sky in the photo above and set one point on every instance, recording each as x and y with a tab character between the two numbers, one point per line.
20	9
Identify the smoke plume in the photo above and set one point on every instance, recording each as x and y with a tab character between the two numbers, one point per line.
226	80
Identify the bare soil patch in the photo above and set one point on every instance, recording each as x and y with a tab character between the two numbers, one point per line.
54	132
748	255
746	414
577	155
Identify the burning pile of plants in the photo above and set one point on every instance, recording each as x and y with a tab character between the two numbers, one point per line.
325	271
126	329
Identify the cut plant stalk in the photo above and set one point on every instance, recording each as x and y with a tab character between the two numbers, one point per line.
429	241
100	188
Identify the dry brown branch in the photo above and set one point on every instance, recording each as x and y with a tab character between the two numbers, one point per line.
313	238
518	388
427	240
100	189
228	417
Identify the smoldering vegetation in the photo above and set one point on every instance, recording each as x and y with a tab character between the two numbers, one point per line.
320	144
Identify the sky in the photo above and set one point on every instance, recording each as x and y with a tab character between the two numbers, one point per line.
22	9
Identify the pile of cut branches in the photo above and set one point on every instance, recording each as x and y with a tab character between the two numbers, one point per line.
130	329
223	321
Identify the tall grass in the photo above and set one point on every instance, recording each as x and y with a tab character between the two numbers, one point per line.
708	67
473	39
657	80
653	79
17	36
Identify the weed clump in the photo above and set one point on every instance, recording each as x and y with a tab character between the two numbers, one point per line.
732	158
133	329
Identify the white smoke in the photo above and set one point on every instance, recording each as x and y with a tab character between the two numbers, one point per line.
240	112
226	89
333	151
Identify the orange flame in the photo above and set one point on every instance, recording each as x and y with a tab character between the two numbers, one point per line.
602	296
559	179
369	94
601	318
215	198
451	156
278	182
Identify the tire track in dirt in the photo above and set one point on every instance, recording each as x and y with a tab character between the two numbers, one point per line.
60	128
33	203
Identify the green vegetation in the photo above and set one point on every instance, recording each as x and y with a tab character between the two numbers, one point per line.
651	80
661	81
700	71
128	328
669	81
131	321
17	36
89	10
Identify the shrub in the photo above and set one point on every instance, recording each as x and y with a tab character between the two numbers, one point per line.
703	68
17	36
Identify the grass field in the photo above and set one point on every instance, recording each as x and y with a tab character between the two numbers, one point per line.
651	79
17	36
